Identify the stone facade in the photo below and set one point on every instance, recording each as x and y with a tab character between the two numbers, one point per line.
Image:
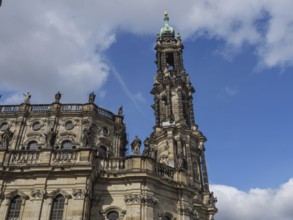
68	161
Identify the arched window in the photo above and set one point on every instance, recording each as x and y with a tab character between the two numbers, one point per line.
66	144
57	208
14	208
32	145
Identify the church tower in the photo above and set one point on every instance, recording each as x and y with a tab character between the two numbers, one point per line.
176	140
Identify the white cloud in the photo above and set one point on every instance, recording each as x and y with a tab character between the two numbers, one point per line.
56	45
231	91
257	204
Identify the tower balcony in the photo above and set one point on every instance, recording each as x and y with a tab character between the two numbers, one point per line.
142	166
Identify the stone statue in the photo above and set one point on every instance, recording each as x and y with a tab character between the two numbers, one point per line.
92	97
181	161
164	159
135	145
87	136
50	138
57	97
156	80
201	147
148	151
27	97
212	199
6	137
120	111
166	72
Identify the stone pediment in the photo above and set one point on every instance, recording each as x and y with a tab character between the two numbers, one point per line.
15	193
57	192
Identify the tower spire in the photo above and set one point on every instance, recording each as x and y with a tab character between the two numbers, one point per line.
166	18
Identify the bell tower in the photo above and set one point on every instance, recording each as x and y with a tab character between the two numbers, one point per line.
176	140
172	88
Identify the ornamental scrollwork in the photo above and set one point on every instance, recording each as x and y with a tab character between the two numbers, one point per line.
79	193
185	210
37	193
140	199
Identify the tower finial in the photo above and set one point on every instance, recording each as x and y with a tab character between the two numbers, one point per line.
166	19
166	13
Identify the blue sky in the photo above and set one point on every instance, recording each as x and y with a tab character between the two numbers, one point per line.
239	57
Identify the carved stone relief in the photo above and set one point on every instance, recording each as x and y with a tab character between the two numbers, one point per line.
37	193
140	199
79	193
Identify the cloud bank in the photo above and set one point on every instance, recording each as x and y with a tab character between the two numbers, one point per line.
58	45
257	204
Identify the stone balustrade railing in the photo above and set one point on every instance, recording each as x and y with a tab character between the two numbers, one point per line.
46	156
136	163
72	107
11	109
65	156
27	157
113	164
41	108
74	157
105	113
164	170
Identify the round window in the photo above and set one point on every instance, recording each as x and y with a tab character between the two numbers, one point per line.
36	126
3	126
113	215
69	125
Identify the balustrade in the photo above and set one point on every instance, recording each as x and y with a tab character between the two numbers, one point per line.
74	107
25	157
105	113
41	108
113	164
64	156
164	170
64	108
7	109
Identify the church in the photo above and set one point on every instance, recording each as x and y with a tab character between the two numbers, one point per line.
63	161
